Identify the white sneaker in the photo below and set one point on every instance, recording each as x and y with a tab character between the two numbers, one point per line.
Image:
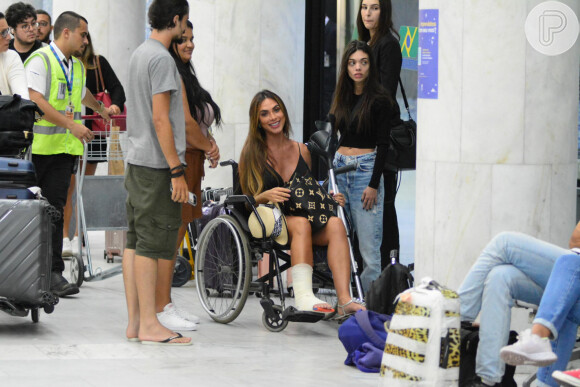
183	314
530	349
171	320
75	246
66	248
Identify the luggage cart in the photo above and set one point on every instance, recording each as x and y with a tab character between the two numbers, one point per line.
104	196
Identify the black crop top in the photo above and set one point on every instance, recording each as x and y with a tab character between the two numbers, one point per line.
377	137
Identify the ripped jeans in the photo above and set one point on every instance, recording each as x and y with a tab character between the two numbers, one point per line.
367	224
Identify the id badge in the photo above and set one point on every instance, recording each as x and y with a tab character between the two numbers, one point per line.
70	111
61	91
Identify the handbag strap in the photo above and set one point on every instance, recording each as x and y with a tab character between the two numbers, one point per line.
362	318
99	76
404	97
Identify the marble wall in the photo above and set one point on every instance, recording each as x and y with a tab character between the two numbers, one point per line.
241	48
497	149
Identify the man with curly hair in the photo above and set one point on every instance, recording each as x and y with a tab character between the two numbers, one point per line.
21	18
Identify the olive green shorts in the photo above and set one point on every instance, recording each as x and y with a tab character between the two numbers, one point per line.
152	216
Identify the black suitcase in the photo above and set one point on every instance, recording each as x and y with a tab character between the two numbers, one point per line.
16	173
25	253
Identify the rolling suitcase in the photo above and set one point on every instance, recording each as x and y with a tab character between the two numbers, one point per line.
25	253
16	173
16	193
115	242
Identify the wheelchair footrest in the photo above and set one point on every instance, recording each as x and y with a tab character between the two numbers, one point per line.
295	315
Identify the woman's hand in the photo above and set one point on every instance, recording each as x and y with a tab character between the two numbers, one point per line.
213	155
114	110
275	195
369	198
339	198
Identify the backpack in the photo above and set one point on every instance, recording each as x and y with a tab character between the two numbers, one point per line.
383	291
469	343
363	336
423	341
17	113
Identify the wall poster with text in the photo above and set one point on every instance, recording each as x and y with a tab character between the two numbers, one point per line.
428	56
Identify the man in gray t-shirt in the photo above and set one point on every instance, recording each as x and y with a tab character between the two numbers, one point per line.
156	134
152	71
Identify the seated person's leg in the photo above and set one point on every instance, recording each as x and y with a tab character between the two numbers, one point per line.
532	256
503	285
557	318
300	234
334	236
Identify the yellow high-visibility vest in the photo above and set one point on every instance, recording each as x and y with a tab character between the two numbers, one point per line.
50	139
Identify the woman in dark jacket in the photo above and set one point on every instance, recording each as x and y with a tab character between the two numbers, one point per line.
375	26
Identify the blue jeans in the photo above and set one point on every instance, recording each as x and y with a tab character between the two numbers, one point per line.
560	312
512	266
367	224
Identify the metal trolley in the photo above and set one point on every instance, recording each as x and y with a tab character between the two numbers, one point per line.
100	198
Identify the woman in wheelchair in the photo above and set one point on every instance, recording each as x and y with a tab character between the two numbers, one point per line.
268	160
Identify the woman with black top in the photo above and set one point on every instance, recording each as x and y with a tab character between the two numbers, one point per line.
98	148
362	110
269	159
375	26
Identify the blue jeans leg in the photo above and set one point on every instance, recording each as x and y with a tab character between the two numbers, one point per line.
512	266
560	312
532	256
367	224
504	284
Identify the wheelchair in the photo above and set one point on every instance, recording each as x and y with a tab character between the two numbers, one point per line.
227	253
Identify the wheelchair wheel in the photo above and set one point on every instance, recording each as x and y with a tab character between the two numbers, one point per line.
223	271
274	324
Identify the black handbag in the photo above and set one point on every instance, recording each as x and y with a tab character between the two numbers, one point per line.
402	150
17	113
309	200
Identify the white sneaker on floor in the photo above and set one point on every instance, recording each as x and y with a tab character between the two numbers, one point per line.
182	313
75	246
530	349
66	248
171	320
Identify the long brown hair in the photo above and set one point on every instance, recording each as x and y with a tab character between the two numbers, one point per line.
344	94
89	58
385	23
254	156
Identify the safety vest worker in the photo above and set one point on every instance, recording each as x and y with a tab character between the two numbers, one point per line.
49	138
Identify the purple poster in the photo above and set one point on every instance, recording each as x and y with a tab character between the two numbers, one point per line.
428	56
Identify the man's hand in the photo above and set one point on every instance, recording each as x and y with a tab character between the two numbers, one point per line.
180	192
82	132
106	113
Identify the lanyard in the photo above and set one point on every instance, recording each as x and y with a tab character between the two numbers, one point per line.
69	85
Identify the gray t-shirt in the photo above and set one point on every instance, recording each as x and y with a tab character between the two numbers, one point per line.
152	71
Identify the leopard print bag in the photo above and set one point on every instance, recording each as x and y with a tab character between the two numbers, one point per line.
423	340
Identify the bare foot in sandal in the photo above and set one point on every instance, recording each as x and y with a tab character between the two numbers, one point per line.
350	307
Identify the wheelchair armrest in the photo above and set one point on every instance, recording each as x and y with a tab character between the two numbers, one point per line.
232	199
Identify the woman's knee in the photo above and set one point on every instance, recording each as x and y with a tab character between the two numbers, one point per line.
298	227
